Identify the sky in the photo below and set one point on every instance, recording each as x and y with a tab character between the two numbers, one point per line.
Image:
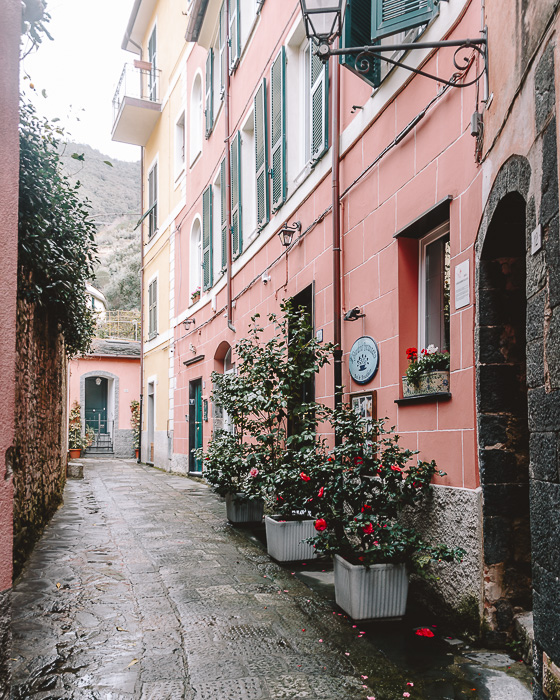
79	70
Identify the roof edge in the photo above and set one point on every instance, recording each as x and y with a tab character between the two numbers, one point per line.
196	19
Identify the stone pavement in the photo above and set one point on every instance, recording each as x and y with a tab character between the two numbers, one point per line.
140	589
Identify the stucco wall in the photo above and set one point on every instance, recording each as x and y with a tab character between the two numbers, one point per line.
10	11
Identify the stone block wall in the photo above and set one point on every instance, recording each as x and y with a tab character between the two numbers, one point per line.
123	444
40	448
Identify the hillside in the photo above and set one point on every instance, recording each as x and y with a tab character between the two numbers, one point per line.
114	194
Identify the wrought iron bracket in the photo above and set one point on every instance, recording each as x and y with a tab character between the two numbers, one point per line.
366	54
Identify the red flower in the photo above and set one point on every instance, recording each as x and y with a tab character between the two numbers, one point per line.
395	468
279	498
331	459
358	460
366	507
411	353
424	632
320	524
368	529
304	476
321	492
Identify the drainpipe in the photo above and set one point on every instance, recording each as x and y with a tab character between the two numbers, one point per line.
139	460
228	173
337	304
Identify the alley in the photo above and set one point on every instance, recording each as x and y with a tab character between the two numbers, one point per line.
140	589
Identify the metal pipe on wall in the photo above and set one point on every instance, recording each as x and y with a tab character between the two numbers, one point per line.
337	303
227	50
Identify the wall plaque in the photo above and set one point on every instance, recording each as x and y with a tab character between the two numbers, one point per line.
363	361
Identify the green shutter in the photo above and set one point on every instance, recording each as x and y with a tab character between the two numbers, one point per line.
223	219
234	38
278	129
319	73
356	32
222	49
261	155
235	165
207	277
209	101
393	16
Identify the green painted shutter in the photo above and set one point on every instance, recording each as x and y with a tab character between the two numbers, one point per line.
319	74
234	38
223	219
278	129
222	49
209	101
235	165
261	155
207	276
356	32
393	16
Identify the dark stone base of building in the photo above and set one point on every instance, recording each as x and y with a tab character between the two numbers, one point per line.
5	639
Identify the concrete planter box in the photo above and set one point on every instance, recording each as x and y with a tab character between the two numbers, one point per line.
369	593
436	382
240	509
284	539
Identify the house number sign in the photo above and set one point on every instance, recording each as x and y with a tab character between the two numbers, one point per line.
363	361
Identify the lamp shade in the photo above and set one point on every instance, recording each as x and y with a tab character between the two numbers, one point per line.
323	18
286	236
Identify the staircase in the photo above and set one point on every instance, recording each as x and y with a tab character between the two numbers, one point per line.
101	445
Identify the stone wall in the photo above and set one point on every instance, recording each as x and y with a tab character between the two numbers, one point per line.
39	469
123	444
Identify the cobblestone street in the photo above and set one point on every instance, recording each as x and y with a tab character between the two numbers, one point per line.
140	589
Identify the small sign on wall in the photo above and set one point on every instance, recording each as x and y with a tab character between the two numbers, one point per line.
462	285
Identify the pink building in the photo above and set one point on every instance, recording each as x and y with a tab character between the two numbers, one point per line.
410	206
104	383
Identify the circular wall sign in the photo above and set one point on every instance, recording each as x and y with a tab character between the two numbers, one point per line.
363	360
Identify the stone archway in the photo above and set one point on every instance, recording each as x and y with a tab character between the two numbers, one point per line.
502	418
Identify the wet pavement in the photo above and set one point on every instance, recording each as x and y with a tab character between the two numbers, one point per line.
140	589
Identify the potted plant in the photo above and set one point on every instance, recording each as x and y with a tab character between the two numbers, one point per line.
195	296
427	373
76	441
135	424
229	467
360	504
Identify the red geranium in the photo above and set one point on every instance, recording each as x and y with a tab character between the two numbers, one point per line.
411	354
320	524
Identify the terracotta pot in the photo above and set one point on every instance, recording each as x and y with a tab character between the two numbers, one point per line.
137	453
75	453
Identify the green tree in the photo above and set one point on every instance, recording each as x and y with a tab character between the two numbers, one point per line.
57	252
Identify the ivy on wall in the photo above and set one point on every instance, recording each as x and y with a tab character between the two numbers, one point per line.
57	251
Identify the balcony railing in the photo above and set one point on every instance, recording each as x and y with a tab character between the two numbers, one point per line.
137	103
118	325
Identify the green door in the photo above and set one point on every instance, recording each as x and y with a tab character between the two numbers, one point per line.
96	403
195	424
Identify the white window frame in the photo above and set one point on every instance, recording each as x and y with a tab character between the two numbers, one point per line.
195	257
180	145
248	181
196	119
439	232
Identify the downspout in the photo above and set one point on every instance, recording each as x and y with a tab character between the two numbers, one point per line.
337	302
140	418
227	49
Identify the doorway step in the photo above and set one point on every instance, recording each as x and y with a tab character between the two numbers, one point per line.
101	445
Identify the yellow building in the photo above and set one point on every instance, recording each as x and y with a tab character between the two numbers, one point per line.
149	111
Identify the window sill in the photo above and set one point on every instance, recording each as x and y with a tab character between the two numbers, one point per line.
424	398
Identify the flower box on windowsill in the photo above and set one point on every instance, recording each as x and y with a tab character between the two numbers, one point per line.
434	382
194	298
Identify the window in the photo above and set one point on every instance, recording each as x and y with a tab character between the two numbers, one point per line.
434	289
207	263
152	58
152	309
217	203
195	257
223	213
222	50
315	105
248	214
278	129
260	138
234	38
195	130
180	145
152	201
209	94
236	209
391	16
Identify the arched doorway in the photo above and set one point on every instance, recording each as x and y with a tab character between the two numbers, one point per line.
503	432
